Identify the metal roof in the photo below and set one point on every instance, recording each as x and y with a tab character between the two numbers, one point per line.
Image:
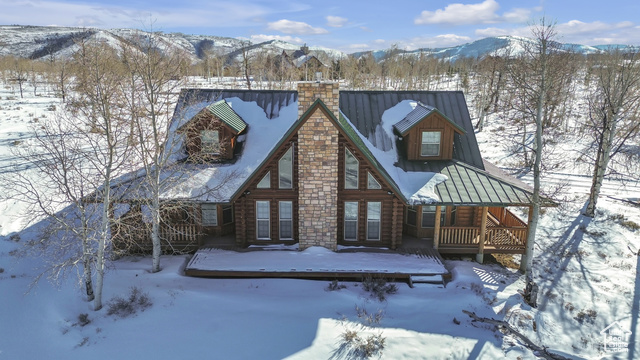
269	100
365	108
467	185
418	114
225	113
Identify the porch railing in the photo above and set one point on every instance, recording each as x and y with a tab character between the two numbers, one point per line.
180	234
495	237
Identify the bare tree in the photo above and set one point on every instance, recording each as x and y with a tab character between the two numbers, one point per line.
20	73
54	188
613	113
100	97
533	77
157	79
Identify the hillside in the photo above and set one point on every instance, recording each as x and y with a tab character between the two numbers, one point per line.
39	42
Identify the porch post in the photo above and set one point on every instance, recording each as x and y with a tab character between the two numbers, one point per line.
436	229
483	230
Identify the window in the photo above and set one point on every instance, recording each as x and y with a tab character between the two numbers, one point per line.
210	142
372	183
263	220
351	220
452	217
209	215
351	165
429	216
286	220
373	220
265	183
285	170
412	216
227	214
430	143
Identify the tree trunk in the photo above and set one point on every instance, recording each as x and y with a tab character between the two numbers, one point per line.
602	161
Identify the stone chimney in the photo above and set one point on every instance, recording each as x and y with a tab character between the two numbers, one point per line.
318	167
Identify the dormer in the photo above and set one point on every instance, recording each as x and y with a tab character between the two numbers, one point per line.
427	134
212	134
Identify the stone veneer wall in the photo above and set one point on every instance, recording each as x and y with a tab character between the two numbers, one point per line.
318	168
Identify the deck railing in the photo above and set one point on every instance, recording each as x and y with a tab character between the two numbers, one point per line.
180	234
495	237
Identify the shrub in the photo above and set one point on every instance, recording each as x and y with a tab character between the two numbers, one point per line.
83	319
355	347
123	308
378	287
367	318
334	285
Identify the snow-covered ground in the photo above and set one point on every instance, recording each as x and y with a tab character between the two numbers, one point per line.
586	270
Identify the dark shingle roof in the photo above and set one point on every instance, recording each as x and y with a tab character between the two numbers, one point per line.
365	108
225	113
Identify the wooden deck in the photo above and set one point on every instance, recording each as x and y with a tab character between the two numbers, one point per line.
416	258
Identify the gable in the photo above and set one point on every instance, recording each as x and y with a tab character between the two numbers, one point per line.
365	110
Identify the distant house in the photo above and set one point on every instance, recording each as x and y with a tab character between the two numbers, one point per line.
324	167
305	62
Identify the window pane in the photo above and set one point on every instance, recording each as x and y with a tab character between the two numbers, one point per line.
286	222
210	141
373	210
265	183
227	214
262	220
429	216
412	216
209	215
350	170
350	220
372	183
373	230
430	143
262	211
373	220
350	210
285	170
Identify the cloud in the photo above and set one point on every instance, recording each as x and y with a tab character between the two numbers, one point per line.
295	27
137	15
443	40
364	28
517	16
578	32
485	12
336	21
262	38
461	14
358	47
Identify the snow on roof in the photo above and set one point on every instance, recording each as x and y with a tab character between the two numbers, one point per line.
218	182
416	187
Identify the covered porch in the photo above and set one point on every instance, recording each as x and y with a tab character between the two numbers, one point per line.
499	231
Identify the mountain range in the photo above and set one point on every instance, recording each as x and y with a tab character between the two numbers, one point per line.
37	42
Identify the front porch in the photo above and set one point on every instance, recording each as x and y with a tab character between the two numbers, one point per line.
499	231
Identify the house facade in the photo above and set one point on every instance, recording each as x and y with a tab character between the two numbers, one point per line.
324	167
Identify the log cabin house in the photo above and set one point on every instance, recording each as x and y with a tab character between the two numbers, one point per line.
324	167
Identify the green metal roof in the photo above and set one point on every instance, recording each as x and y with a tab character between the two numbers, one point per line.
225	113
467	185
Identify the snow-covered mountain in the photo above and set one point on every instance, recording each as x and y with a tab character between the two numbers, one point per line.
500	45
37	42
41	41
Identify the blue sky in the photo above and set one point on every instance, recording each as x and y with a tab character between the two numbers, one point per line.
348	25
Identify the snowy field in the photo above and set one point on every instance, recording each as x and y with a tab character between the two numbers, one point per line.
586	269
